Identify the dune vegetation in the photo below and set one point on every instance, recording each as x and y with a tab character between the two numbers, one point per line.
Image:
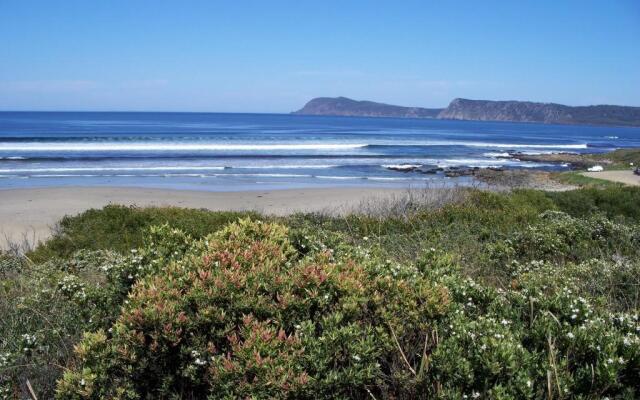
443	294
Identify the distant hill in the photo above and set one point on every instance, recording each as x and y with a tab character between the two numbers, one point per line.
343	106
480	110
548	113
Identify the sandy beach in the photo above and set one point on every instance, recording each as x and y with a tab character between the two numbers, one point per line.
626	177
31	213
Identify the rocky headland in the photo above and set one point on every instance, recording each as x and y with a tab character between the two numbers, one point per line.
480	110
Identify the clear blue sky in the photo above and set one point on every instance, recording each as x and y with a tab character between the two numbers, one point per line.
272	56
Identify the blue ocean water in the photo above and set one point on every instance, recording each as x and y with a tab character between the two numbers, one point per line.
219	152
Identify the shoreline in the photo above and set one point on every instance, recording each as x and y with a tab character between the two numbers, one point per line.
30	214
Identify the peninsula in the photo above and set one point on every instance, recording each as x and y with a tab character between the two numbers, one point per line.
343	106
480	110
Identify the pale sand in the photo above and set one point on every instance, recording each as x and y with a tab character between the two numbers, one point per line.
33	212
626	177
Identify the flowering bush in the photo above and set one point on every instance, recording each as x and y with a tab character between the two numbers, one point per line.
44	309
559	237
257	311
243	314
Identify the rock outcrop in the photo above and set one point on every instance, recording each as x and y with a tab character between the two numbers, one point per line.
480	110
342	106
547	113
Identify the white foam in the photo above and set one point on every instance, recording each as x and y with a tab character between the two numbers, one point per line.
58	175
470	162
269	175
141	146
339	177
497	155
108	169
493	145
384	178
283	166
64	175
525	146
402	166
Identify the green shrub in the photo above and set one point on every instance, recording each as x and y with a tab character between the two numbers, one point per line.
44	309
519	295
123	228
539	338
558	237
243	314
614	202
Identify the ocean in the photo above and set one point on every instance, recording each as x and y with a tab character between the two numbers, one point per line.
227	152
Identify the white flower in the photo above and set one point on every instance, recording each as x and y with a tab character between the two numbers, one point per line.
475	395
570	335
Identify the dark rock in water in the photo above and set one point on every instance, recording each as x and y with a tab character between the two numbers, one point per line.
430	170
575	160
455	172
495	169
403	168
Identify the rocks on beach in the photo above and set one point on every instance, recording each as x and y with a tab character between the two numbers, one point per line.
450	172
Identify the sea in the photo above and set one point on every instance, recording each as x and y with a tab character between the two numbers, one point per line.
230	152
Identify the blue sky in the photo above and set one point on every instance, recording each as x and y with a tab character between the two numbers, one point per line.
273	56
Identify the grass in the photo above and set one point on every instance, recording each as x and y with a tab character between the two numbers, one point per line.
577	178
621	158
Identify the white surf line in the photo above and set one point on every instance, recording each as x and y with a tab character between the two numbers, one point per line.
137	146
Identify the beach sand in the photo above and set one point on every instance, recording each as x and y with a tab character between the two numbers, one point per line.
626	177
31	213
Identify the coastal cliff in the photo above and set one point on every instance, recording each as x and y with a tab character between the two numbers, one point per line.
548	113
342	106
480	110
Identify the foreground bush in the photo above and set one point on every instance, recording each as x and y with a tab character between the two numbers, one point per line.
254	311
241	316
44	309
